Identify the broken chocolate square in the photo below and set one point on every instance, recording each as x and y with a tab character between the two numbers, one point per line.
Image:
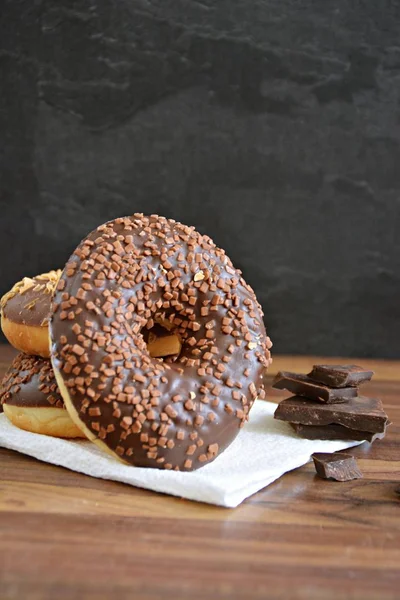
302	385
340	376
340	467
362	413
334	432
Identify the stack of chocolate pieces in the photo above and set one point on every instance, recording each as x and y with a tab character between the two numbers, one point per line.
327	404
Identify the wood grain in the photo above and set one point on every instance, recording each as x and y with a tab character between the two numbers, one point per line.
68	536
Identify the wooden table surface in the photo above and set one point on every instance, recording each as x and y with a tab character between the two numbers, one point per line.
65	535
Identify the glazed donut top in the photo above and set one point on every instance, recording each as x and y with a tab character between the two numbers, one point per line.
29	300
30	382
130	274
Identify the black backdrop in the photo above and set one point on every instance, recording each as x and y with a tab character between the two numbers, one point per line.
273	126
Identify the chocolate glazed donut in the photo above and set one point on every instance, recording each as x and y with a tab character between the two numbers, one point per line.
31	400
25	311
128	275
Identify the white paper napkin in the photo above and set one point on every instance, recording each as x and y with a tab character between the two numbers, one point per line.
264	450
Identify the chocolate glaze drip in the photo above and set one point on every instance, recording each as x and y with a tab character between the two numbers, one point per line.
126	276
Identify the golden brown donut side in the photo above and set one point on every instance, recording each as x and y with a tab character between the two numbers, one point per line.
27	338
128	275
32	401
25	312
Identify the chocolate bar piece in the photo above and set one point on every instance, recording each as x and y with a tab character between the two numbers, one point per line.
340	467
301	385
364	414
340	376
334	432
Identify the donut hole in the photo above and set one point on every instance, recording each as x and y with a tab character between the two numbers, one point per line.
162	343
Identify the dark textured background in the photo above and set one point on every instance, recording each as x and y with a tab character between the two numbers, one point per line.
273	126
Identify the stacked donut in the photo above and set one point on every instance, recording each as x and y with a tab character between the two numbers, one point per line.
29	392
124	280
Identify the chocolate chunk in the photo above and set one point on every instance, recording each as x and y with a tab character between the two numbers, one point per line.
364	414
340	376
340	467
302	385
334	432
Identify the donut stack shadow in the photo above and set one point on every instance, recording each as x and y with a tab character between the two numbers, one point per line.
327	404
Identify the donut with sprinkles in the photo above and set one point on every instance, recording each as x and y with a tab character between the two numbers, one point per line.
125	277
25	312
31	399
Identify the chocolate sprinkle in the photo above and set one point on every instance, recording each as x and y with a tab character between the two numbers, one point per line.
156	270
